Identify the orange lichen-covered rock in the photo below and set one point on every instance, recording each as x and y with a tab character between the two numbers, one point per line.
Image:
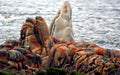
33	61
41	30
32	43
28	38
57	40
24	59
42	34
21	59
85	44
90	63
73	49
3	56
38	50
28	23
100	51
58	56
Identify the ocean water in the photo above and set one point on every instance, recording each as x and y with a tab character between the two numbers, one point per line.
93	20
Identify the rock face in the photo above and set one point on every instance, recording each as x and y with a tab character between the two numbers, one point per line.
28	38
61	25
84	57
37	49
42	34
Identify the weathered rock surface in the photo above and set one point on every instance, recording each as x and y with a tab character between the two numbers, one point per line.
37	50
61	25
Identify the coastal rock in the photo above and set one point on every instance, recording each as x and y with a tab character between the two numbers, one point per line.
42	34
28	24
37	49
28	38
58	56
61	25
82	60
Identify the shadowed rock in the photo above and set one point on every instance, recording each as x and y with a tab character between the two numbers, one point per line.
28	23
33	62
10	44
42	34
28	38
3	56
61	25
113	53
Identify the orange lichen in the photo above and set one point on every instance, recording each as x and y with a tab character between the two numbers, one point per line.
100	51
80	48
58	40
73	48
63	41
61	50
72	43
3	59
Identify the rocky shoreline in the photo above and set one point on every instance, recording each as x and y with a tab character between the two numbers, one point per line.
41	47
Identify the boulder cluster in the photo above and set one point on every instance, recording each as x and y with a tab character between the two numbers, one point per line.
41	47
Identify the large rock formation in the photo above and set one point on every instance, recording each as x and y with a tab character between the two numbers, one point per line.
61	25
37	50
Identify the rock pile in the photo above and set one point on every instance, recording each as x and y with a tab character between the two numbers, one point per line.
39	47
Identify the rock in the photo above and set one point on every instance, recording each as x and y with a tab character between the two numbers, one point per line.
23	32
38	49
61	25
42	29
84	61
58	56
10	44
28	38
113	53
33	61
3	56
29	23
42	34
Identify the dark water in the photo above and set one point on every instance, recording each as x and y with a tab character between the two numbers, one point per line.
93	20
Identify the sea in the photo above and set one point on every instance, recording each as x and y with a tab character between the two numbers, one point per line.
93	20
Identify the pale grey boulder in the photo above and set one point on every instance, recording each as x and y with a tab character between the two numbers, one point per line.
61	25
